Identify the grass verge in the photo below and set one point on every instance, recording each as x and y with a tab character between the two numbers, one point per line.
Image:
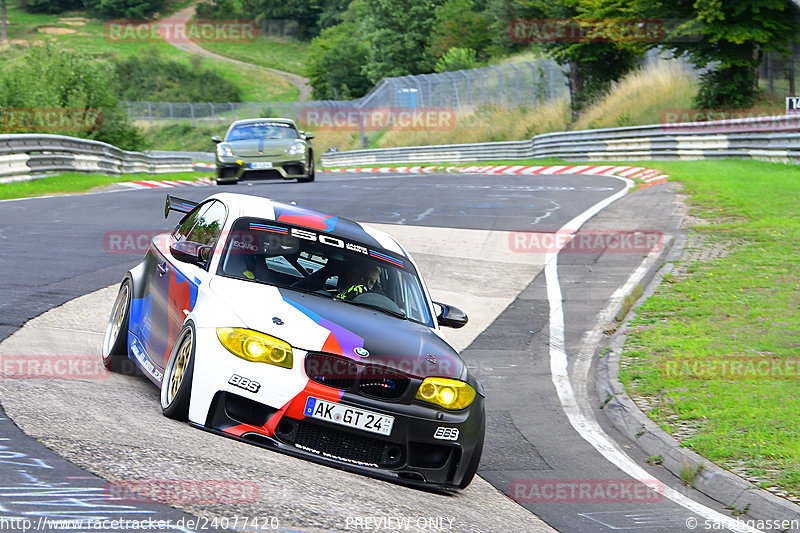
736	306
76	182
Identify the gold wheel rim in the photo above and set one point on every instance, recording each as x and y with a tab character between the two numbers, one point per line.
181	362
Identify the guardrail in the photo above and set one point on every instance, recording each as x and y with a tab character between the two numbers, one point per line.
25	154
773	138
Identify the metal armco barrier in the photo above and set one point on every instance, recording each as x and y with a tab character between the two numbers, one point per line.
774	138
25	154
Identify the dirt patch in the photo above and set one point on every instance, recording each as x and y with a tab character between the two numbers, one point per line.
53	30
73	21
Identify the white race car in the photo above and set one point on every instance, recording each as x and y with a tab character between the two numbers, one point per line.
302	332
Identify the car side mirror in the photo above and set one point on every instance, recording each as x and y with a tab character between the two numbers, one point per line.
308	135
191	252
217	139
451	317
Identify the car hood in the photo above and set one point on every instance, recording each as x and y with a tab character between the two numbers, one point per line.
313	323
261	147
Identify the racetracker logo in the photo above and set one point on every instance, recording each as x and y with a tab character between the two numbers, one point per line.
49	119
683	120
732	368
590	31
181	31
173	492
586	490
587	241
131	242
52	367
378	119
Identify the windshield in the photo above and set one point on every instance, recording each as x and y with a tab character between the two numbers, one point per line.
263	251
261	130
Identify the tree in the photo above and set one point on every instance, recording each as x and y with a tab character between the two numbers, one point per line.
399	37
731	37
3	32
310	15
594	61
337	57
459	25
501	13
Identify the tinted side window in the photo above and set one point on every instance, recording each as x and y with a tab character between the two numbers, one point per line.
208	225
188	223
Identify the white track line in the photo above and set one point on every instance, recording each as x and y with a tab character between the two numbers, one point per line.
584	423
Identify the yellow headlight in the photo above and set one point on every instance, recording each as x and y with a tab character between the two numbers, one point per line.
448	393
256	347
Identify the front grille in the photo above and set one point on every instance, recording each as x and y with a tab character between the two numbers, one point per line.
345	374
331	370
347	447
261	174
382	383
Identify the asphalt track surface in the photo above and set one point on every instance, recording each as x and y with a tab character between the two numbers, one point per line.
53	251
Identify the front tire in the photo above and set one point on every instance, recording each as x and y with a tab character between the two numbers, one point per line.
475	460
311	171
115	342
176	387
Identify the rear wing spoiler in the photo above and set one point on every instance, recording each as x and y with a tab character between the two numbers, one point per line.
178	204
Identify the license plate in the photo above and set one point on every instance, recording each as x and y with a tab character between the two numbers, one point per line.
260	165
345	415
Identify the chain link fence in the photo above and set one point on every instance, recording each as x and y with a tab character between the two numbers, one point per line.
779	75
508	85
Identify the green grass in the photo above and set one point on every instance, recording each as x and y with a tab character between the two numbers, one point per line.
256	84
281	54
184	137
75	182
741	305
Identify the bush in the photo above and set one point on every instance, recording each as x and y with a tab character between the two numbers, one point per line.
50	6
150	77
46	78
457	59
128	9
216	9
723	87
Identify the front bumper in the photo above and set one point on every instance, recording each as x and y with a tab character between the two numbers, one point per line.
286	167
418	451
411	454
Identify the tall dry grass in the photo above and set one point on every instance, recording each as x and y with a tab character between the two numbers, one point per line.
638	99
487	123
641	97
